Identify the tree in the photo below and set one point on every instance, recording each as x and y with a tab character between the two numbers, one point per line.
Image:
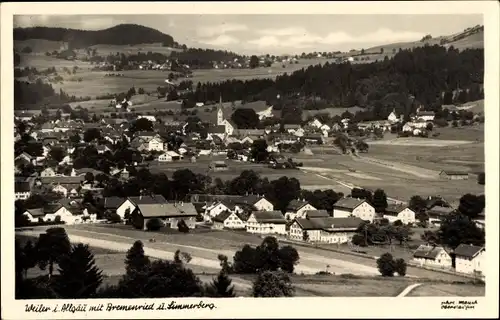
258	151
136	260
379	201
244	260
386	265
182	257
78	277
91	134
417	204
57	154
161	279
273	284
52	247
456	229
89	177
400	267
75	139
471	205
254	62
288	257
221	287
182	226
154	224
245	118
305	236
481	178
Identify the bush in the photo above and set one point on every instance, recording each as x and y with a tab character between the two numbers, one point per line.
154	224
386	265
358	240
400	267
182	226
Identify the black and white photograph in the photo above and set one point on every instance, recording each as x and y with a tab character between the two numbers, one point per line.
171	155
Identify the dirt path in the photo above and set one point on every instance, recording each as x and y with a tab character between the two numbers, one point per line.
413	170
408	289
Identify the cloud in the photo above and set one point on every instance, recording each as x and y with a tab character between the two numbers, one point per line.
297	37
221	40
87	22
210	31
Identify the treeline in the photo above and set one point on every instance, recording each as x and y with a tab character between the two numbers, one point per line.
123	34
424	75
38	93
204	58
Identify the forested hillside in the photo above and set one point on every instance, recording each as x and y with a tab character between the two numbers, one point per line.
123	34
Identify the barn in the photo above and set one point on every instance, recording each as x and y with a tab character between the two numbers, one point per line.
454	175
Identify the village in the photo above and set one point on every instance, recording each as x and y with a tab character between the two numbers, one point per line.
164	144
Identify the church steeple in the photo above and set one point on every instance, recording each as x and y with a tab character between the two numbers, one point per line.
220	114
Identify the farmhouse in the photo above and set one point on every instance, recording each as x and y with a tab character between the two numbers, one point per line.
169	156
470	259
22	190
55	210
266	222
437	213
454	175
170	214
296	208
324	229
347	207
433	256
426	115
402	213
213	210
34	215
228	220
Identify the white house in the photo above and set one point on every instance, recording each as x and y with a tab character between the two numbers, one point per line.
155	144
324	229
22	190
353	207
432	256
296	208
60	189
263	205
52	212
217	208
393	117
316	123
266	113
266	222
169	156
402	213
426	115
470	259
150	118
228	220
34	215
48	172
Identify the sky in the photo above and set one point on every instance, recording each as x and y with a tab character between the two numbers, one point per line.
274	34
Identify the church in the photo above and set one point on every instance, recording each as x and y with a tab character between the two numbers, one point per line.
229	126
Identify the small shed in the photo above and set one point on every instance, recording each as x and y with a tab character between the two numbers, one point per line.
219	166
454	175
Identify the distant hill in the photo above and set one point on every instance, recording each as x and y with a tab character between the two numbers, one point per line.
123	34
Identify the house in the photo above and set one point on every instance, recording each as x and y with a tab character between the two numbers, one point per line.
24	158
154	144
170	214
259	203
393	117
425	115
213	210
353	207
324	229
296	208
218	166
228	220
150	118
55	210
266	222
437	213
315	123
60	189
433	256
454	175
102	149
310	214
398	212
34	215
470	259
219	131
22	190
48	172
169	156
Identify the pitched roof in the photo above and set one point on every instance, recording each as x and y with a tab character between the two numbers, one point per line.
113	202
269	217
22	186
37	212
257	106
62	180
329	223
469	251
348	203
440	211
221	217
316	214
52	208
158	210
295	205
394	209
153	199
454	173
217	129
427	252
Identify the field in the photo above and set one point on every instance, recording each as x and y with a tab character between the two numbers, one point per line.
94	83
447	290
351	275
